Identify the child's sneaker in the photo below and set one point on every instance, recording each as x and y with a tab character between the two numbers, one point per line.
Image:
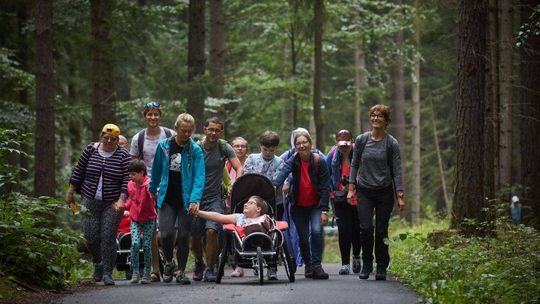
238	272
181	278
272	274
198	272
146	279
98	272
168	273
135	278
344	270
107	279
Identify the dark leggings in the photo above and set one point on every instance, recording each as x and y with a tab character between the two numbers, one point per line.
167	219
99	226
348	231
381	201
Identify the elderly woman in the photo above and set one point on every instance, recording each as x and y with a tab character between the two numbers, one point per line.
101	177
308	195
375	178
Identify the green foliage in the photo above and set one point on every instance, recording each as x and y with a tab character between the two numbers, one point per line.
36	244
10	142
499	269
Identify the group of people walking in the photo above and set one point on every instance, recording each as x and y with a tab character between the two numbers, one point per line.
167	177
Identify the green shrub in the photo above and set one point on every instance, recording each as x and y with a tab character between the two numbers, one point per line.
504	268
36	245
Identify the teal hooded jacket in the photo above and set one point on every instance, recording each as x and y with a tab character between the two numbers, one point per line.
193	172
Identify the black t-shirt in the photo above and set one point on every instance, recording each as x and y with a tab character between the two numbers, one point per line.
174	187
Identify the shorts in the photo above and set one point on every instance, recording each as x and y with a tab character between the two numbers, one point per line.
201	225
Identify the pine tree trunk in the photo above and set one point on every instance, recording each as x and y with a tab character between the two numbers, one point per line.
217	48
439	157
530	121
196	62
103	93
360	85
292	108
317	75
416	185
468	196
44	178
491	153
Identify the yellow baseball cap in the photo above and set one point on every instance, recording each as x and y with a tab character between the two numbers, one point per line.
111	129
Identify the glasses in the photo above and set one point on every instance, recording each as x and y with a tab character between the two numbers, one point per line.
109	139
300	143
239	146
151	104
373	115
212	130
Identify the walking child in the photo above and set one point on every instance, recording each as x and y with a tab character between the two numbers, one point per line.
142	211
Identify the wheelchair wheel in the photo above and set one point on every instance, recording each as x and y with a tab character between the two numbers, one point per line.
288	262
222	259
260	265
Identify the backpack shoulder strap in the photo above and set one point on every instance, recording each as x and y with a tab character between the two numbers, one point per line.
223	148
317	159
167	132
140	143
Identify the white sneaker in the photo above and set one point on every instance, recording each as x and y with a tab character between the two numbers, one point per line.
135	278
238	272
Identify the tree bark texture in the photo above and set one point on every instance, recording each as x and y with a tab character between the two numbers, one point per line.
103	93
439	156
468	196
360	85
196	62
530	121
44	178
416	162
505	93
491	151
217	48
317	75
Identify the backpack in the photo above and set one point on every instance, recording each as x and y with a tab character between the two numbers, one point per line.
222	149
263	223
140	141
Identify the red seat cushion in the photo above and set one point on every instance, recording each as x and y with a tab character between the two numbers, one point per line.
232	227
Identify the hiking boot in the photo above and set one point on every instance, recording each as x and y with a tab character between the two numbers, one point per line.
181	278
319	273
344	270
308	271
356	265
98	272
367	268
146	278
381	274
272	274
198	272
154	277
168	273
238	272
209	274
135	278
108	280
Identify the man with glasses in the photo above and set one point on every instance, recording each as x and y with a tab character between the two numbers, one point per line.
216	153
143	147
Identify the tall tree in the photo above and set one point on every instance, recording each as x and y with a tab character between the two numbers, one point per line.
398	125
468	195
530	120
217	48
196	61
360	86
491	151
103	93
44	177
318	10
416	186
505	92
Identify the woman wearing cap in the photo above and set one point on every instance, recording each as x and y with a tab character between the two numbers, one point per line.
376	181
101	177
346	213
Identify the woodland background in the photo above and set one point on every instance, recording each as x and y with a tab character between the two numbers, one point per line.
461	78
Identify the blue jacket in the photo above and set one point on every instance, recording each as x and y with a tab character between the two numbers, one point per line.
320	181
193	172
333	160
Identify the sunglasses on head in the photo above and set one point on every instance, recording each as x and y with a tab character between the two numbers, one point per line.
152	104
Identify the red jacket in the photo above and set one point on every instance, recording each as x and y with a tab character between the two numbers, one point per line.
141	205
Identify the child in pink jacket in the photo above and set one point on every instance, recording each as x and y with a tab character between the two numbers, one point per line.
142	211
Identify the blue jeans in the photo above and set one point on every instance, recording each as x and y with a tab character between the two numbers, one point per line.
308	225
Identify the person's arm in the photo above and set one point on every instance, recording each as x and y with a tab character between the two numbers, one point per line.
157	170
78	174
217	217
355	164
396	170
199	174
284	173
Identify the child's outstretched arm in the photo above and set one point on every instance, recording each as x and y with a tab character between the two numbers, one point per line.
217	217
